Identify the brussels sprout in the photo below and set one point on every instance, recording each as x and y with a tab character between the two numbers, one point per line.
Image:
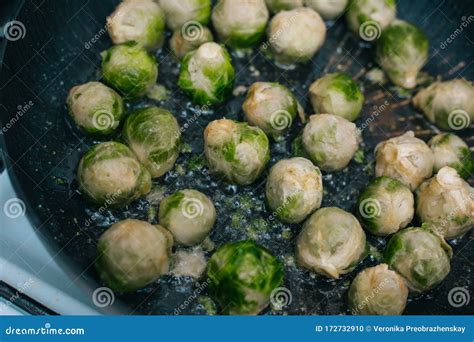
109	174
272	107
294	189
378	291
451	150
154	135
402	51
95	108
188	39
132	254
242	276
386	205
446	203
330	141
295	36
207	74
129	69
405	158
420	256
369	17
139	21
240	24
331	243
178	13
328	9
189	215
236	151
276	6
337	94
448	104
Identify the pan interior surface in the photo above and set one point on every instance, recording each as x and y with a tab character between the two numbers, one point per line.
62	48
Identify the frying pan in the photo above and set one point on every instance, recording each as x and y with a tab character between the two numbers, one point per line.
41	149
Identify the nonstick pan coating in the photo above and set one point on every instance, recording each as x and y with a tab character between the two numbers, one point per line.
62	48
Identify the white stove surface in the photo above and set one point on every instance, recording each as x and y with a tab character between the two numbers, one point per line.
26	265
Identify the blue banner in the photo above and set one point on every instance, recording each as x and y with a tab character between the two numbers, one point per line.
220	328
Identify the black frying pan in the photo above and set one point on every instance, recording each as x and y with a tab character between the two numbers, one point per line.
42	149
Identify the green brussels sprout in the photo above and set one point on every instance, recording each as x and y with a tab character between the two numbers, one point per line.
178	13
189	215
272	107
420	256
294	189
405	158
378	291
133	254
109	174
139	21
330	141
242	276
328	9
331	243
386	205
448	104
154	135
129	69
240	24
401	51
337	94
446	203
451	150
295	36
236	151
188	39
207	74
275	6
369	17
95	108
